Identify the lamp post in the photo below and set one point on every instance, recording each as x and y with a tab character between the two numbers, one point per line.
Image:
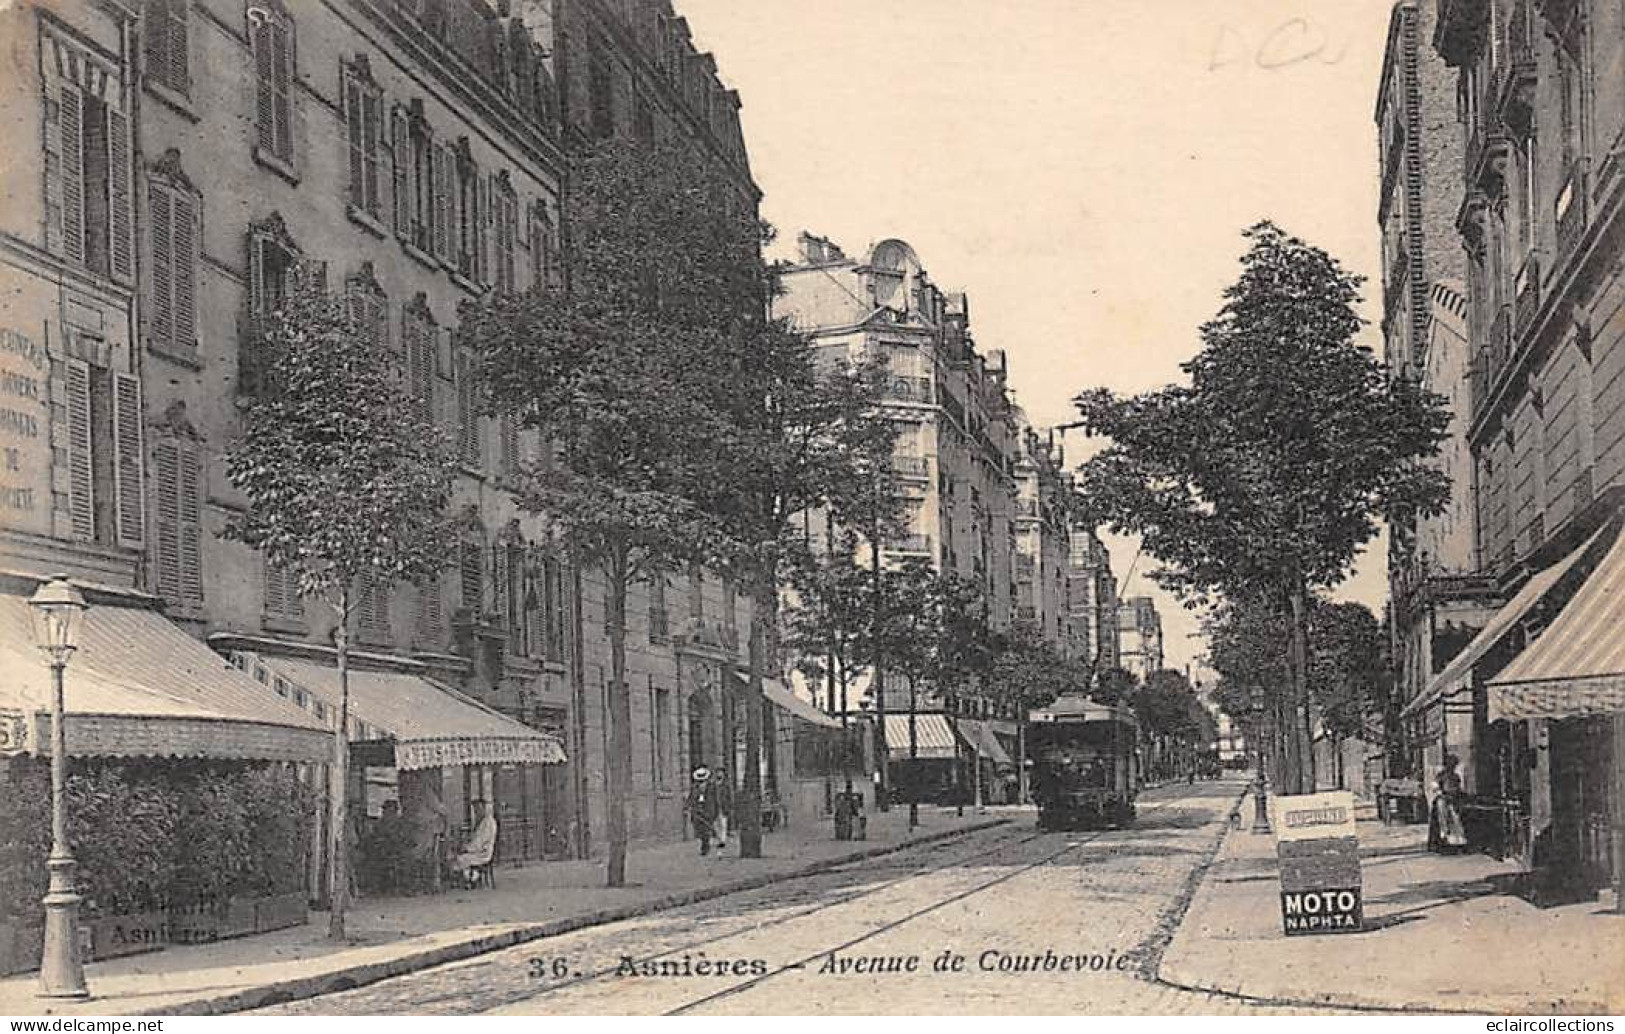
1261	811
57	609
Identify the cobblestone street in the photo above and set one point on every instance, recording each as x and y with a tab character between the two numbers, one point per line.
1049	923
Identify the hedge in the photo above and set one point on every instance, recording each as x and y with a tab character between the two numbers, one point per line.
149	836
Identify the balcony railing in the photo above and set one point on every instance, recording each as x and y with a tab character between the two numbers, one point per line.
1527	286
1028	508
1493	354
1026	566
911	466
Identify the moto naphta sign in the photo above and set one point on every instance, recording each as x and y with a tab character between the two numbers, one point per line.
1319	855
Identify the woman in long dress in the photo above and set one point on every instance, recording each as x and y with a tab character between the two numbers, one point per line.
1448	835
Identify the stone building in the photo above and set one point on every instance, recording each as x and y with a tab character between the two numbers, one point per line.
1043	504
954	456
1438	601
1139	630
1092	600
1541	91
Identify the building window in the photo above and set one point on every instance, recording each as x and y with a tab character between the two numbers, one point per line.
506	215
471	571
282	599
429	624
543	238
363	107
469	215
270	28
272	259
508	431
513	598
372	607
600	92
96	432
163	24
369	309
173	232
87	164
420	347
441	171
663	732
554	617
659	617
468	412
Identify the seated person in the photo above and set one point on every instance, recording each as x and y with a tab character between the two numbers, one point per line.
481	846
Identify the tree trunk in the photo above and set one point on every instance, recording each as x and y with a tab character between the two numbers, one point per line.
338	803
581	835
618	766
913	754
1300	748
764	608
1021	756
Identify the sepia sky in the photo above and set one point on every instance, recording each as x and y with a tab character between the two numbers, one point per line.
1081	168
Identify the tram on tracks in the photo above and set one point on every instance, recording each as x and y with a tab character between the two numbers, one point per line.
1085	763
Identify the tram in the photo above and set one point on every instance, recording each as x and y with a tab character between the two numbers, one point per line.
1085	763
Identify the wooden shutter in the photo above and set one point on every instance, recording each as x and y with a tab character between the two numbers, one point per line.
442	200
282	75
401	170
120	217
509	428
468	417
356	126
264	83
371	132
71	140
184	227
81	469
161	249
472	574
177	71
499	584
127	490
191	525
166	465
276	595
428	615
155	30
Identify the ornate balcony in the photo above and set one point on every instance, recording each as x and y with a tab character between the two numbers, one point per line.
1493	353
1514	92
910	389
914	545
1489	150
914	467
1527	286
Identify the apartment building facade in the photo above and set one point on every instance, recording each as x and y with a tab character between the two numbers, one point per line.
1139	630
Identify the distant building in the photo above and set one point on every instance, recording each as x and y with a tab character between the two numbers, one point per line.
1042	519
1092	600
1139	630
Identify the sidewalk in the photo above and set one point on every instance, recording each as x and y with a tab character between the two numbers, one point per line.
391	936
1440	935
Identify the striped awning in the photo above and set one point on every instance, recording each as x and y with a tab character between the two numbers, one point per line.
1577	666
433	725
933	737
1458	674
138	686
979	735
780	696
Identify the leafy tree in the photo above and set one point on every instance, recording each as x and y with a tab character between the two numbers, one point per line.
1114	686
1028	672
344	481
1270	469
619	372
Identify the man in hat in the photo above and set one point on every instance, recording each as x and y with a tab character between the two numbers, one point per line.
702	806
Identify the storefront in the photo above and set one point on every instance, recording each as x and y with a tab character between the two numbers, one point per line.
434	752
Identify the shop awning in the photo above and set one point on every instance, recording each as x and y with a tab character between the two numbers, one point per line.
432	724
1577	665
1458	674
781	697
933	736
979	734
138	686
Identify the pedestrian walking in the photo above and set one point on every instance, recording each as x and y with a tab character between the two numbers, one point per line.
725	807
702	807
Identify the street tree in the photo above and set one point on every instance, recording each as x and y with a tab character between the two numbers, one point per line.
1272	467
617	372
1113	686
347	487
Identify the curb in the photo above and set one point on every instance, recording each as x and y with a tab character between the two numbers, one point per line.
348	978
1177	977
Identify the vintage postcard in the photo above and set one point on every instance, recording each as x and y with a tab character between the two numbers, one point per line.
774	507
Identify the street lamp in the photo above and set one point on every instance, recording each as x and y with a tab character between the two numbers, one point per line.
1261	810
57	610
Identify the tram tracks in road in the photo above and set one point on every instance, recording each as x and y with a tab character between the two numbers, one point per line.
799	966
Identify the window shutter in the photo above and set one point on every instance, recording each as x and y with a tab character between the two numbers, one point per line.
428	615
276	599
185	251
371	133
258	298
468	418
473	576
178	75
401	168
81	485
282	73
160	245
442	199
127	461
264	84
167	467
510	444
120	219
500	587
191	525
155	29
356	126
71	139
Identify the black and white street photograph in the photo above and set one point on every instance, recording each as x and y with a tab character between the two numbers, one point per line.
812	508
